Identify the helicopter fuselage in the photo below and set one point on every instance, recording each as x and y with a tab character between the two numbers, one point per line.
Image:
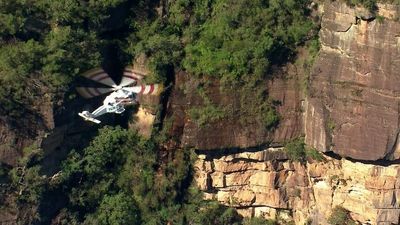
116	101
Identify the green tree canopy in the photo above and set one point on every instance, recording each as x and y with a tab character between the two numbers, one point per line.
118	209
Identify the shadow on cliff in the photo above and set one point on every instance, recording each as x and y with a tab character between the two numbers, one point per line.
379	162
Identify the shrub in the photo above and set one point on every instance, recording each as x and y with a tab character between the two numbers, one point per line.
314	154
296	149
271	118
380	19
340	216
215	214
118	209
206	114
368	4
29	183
330	125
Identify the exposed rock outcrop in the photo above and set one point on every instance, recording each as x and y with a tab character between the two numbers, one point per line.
353	107
230	132
304	192
353	103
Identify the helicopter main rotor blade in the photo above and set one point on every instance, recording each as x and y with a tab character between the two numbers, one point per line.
152	89
88	92
130	76
100	76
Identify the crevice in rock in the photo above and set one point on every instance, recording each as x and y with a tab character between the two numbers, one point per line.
392	149
347	29
335	50
379	162
245	169
368	19
378	91
260	205
218	153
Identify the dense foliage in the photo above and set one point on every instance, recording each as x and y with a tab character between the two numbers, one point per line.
45	44
234	43
226	39
297	150
243	38
120	178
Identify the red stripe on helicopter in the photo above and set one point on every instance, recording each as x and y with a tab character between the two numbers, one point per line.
142	89
103	78
151	89
84	92
96	74
97	91
134	72
89	90
132	75
98	77
93	73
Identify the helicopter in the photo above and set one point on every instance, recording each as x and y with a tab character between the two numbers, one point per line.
120	96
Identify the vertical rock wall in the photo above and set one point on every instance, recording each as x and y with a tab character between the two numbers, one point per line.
230	132
353	106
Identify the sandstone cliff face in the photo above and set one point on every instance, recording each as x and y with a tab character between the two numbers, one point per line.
230	132
353	107
284	190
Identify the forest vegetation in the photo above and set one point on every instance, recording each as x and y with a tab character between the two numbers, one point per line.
120	177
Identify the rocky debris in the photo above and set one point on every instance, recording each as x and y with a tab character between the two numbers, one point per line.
144	121
144	117
304	192
353	106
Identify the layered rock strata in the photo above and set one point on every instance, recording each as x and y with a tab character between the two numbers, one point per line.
283	190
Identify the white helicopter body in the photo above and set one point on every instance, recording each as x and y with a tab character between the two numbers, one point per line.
121	95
